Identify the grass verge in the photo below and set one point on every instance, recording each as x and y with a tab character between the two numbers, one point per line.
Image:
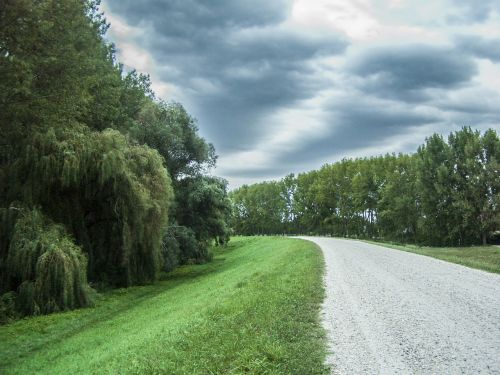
486	258
254	309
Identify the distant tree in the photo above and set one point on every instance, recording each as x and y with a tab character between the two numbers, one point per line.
435	185
489	211
475	184
288	190
306	206
399	202
448	193
260	208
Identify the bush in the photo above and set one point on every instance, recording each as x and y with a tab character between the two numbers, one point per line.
170	251
180	246
46	267
7	307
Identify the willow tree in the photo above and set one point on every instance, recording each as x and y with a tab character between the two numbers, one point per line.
112	195
44	265
89	162
77	200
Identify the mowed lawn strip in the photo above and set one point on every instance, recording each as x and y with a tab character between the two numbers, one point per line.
254	309
486	258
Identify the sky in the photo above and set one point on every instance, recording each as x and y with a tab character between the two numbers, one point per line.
285	86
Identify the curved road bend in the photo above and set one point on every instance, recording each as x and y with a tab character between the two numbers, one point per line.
392	312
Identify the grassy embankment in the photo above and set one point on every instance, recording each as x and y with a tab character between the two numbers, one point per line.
486	258
254	309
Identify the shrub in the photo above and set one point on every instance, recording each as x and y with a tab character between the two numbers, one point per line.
180	246
170	251
47	268
7	307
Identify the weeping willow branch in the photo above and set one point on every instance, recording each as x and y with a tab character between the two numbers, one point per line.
49	268
80	177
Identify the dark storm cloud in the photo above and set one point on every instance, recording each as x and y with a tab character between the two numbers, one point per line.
479	47
232	58
405	72
263	75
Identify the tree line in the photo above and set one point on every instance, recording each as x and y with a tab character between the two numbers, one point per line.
101	183
447	193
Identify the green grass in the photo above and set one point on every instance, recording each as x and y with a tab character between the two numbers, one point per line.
254	309
486	258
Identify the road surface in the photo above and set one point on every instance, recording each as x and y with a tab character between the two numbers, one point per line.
392	312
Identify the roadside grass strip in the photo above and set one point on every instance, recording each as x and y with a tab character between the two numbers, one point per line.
254	309
486	258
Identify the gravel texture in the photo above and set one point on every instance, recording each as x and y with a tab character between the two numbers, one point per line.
392	312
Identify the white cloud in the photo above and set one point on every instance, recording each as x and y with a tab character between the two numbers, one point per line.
489	75
349	16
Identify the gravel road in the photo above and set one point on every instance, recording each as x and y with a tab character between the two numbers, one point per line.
393	312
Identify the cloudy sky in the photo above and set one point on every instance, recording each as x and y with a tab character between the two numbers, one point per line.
282	86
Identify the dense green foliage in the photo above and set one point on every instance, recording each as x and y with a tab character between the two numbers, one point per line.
254	309
49	267
201	208
180	246
447	193
98	164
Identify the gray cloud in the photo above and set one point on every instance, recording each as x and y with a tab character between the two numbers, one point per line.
237	65
273	171
476	101
186	15
233	58
405	72
358	122
355	124
472	10
479	47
